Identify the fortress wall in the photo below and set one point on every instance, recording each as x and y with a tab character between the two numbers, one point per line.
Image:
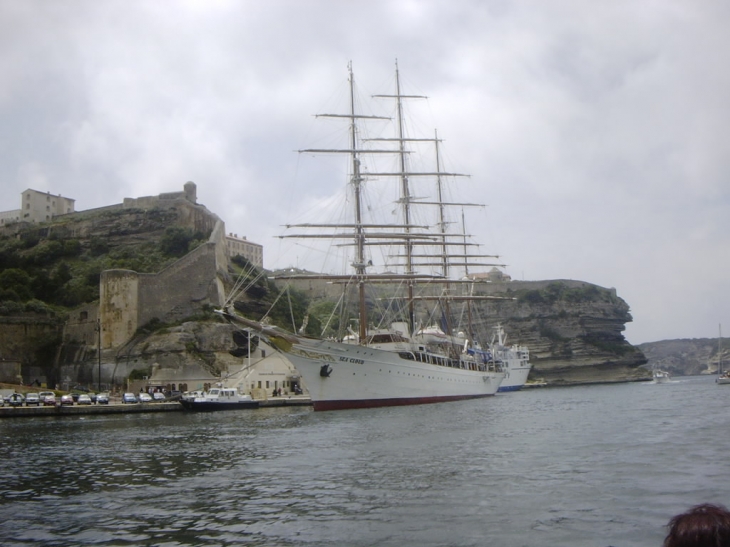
181	289
197	217
81	325
218	236
87	213
147	202
118	306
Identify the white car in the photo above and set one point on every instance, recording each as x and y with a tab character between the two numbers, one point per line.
158	396
145	398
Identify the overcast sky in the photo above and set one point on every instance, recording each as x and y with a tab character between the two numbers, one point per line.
596	132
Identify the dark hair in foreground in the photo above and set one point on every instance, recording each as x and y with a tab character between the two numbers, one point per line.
704	525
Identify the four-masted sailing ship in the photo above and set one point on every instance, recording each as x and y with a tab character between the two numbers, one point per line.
401	361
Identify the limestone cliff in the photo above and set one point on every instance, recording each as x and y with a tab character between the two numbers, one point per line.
573	330
192	351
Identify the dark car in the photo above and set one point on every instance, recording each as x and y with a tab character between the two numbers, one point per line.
49	400
15	399
102	399
129	398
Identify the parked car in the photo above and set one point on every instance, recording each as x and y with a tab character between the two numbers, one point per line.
145	398
93	397
102	399
32	399
129	398
84	399
49	399
67	400
43	394
158	396
15	399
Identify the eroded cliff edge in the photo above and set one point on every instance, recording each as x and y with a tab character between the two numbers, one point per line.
574	330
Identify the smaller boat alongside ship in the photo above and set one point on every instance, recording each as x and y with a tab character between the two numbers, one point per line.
515	361
218	398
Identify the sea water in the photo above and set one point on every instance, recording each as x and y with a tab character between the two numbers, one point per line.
581	466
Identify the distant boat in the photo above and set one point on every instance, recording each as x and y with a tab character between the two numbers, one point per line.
660	376
723	377
218	398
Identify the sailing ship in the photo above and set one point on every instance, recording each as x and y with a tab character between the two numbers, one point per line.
397	361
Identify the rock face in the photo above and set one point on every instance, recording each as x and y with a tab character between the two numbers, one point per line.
192	351
573	330
687	357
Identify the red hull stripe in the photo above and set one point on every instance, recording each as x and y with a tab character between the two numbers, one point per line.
372	403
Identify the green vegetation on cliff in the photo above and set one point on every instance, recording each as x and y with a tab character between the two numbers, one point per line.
560	292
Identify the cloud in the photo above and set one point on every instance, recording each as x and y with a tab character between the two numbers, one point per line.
594	132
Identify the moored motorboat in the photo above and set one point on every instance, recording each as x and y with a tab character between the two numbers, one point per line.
218	398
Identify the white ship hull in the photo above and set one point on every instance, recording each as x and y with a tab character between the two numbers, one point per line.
515	361
515	378
340	376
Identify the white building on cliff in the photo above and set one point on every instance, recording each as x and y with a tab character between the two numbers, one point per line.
36	207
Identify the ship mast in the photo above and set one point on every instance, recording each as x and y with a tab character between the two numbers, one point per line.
405	193
359	235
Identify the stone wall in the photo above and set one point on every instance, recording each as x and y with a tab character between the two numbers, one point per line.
118	306
129	300
180	289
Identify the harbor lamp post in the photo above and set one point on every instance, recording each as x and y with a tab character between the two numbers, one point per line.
98	331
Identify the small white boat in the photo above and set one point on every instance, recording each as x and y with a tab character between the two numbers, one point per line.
661	376
724	378
218	398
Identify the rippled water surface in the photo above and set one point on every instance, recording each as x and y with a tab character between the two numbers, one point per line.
583	466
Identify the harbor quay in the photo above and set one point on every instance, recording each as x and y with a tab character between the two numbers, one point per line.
136	408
